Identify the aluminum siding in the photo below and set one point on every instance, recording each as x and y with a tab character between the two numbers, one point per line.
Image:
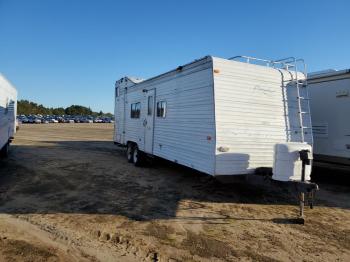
251	115
330	116
8	110
187	134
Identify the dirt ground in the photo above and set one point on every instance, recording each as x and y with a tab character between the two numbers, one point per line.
67	193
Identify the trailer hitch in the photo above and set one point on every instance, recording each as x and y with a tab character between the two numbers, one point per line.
305	190
305	187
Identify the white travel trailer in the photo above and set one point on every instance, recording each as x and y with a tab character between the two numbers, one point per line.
8	112
330	108
220	116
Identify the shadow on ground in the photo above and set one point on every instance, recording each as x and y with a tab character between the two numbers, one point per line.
93	177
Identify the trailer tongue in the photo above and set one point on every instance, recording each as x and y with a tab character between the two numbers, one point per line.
305	187
292	168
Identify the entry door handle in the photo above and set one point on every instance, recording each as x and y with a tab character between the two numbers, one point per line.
145	122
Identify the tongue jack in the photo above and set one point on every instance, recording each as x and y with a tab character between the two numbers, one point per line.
305	157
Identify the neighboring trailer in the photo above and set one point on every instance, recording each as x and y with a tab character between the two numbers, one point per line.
330	107
8	112
218	116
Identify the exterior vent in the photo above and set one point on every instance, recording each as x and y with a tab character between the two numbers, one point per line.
320	130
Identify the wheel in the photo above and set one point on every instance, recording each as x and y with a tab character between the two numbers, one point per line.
130	153
138	157
5	150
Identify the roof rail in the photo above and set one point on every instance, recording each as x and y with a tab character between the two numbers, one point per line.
284	63
249	58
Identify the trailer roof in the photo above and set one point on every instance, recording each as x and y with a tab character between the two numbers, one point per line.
328	73
135	80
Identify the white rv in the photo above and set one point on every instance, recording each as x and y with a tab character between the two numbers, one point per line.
8	112
330	107
219	116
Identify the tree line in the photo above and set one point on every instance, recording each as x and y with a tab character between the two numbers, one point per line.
25	107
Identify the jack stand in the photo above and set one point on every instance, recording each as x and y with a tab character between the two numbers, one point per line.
300	220
305	156
310	198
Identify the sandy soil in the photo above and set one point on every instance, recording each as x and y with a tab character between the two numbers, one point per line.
68	194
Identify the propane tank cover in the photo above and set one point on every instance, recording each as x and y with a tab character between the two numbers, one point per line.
287	164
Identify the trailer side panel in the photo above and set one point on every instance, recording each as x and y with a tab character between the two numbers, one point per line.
330	107
184	132
252	115
8	111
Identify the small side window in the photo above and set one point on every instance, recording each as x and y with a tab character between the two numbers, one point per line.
150	106
135	110
161	109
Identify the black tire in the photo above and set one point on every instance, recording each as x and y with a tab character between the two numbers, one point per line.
4	152
138	157
130	153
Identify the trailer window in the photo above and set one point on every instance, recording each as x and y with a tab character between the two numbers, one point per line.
135	110
117	91
161	109
150	106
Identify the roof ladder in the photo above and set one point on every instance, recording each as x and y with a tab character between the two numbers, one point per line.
291	65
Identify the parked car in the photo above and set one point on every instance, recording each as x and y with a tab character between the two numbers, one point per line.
31	119
53	120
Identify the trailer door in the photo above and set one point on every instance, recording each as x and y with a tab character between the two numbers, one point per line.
148	122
